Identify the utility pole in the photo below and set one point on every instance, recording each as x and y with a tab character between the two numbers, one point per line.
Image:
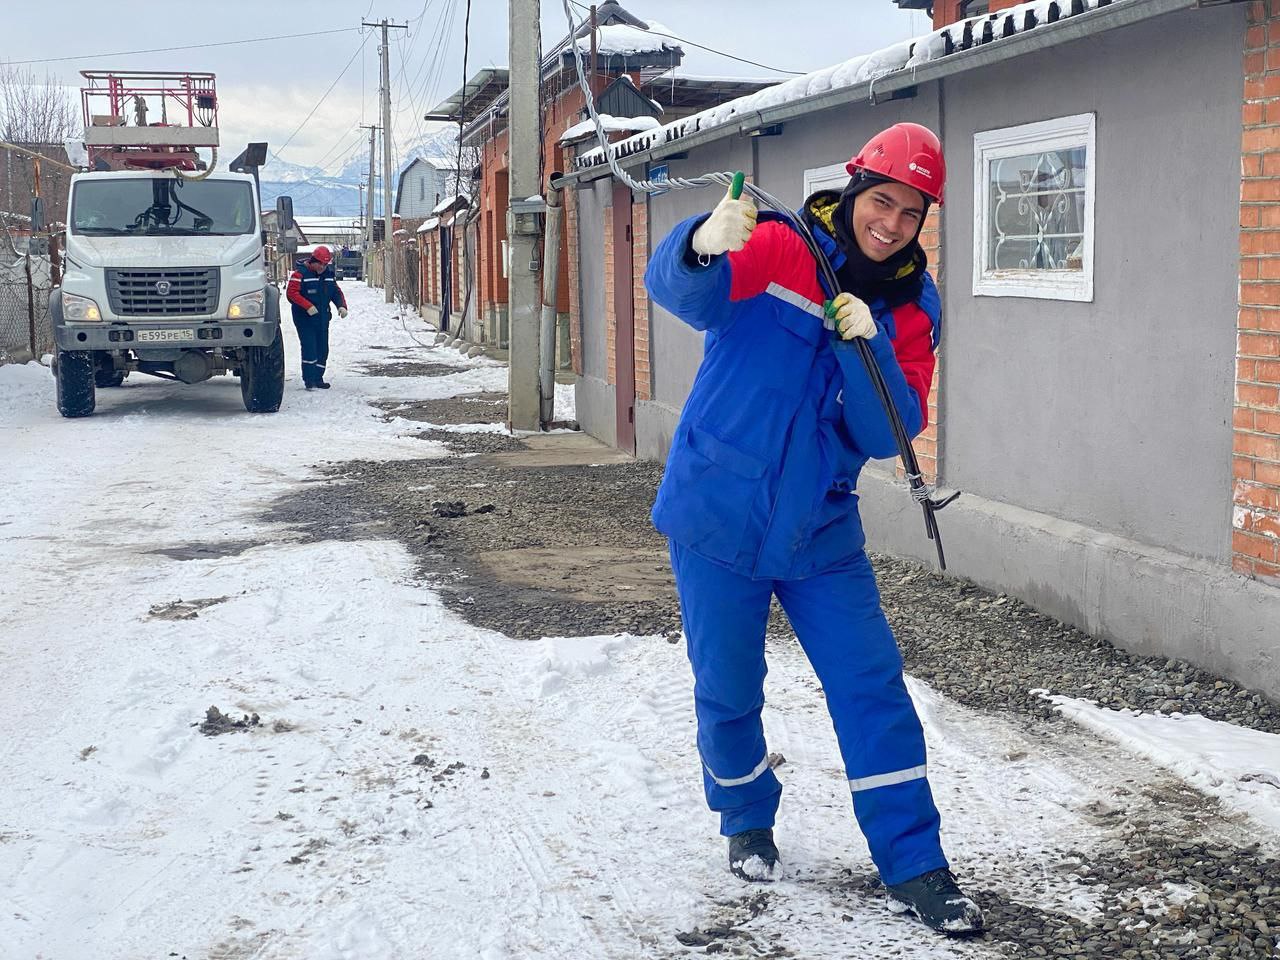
523	293
388	259
368	224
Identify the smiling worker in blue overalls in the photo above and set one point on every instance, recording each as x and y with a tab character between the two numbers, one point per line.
758	496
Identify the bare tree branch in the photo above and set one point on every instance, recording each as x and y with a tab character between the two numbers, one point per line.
35	109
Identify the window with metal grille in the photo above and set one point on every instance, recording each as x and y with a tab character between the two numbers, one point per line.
1033	196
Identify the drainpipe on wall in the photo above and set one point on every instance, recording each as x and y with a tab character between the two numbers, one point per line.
550	293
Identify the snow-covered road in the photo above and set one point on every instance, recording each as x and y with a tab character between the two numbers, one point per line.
416	787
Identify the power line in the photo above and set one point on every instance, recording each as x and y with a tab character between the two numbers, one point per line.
194	46
359	49
462	107
672	36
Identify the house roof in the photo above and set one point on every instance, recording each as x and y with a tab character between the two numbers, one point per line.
891	71
450	203
478	93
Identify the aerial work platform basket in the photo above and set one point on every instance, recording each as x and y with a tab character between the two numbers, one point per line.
148	120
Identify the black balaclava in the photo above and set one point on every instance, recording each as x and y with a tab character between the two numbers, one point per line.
897	280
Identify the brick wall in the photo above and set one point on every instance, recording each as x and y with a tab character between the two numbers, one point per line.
575	300
1256	461
639	261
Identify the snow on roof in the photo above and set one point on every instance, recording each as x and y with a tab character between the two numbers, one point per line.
429	225
447	202
441	163
623	40
610	124
860	69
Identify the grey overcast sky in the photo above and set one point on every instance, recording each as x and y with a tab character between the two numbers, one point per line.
267	89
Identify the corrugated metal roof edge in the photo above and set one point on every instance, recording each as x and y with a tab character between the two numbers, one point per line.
1045	35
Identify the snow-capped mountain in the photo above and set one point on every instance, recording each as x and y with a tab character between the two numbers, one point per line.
318	192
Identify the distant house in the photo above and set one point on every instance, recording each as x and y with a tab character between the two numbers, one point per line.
423	184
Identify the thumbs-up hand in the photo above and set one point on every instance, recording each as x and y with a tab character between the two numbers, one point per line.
728	228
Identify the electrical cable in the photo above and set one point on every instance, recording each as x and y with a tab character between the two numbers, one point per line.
194	46
920	491
730	56
276	153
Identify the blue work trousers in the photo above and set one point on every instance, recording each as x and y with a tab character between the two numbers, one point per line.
844	633
313	334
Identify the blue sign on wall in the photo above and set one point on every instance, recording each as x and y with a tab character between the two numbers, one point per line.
658	174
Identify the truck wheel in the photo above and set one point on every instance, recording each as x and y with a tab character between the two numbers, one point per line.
73	374
262	376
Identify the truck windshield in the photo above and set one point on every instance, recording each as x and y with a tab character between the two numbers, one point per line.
134	206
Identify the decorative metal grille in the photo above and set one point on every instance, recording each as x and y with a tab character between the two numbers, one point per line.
1037	210
163	293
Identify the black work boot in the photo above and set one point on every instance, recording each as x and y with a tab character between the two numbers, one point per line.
321	385
938	902
753	855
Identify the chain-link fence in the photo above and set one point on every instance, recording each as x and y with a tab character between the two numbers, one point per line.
25	331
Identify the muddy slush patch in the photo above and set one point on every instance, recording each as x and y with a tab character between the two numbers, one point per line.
484	407
554	557
412	368
183	609
207	551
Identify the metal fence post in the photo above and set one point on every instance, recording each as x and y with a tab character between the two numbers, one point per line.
31	307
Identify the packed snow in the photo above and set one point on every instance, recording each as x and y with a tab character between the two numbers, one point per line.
610	124
414	786
624	40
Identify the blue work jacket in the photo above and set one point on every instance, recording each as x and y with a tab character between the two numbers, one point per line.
782	416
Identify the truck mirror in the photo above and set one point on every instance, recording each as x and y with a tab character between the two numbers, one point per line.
37	214
284	213
289	244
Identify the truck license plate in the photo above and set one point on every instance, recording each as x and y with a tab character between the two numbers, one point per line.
165	336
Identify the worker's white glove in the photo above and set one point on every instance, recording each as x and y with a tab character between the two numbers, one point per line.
342	312
853	317
728	228
312	311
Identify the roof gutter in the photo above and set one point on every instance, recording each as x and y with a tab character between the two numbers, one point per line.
1122	13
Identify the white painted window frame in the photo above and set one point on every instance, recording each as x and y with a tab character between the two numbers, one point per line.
1059	133
831	177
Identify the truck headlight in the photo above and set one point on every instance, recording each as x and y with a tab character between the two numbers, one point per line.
246	305
79	308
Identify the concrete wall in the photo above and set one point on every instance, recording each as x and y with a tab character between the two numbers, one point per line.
1117	413
595	395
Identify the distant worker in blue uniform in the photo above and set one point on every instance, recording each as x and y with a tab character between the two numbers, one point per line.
758	497
311	290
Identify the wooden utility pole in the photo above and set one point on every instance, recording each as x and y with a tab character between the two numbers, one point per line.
368	225
388	255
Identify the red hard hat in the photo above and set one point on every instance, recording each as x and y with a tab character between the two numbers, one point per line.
907	153
322	255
